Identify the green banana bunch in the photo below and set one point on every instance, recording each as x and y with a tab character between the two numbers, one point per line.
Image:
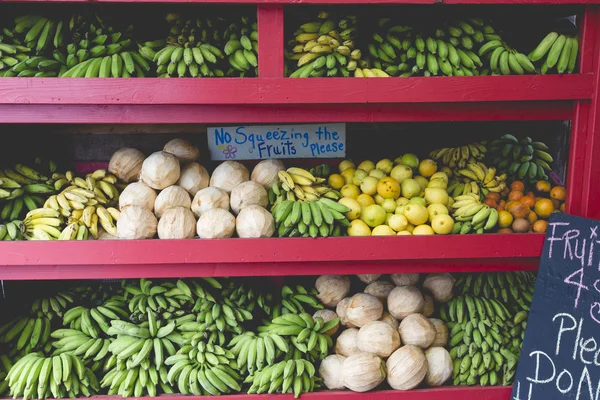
160	297
324	47
95	321
136	382
470	215
522	159
93	351
13	230
26	334
321	171
292	375
241	48
248	299
504	60
37	376
254	352
5	365
297	300
556	52
459	157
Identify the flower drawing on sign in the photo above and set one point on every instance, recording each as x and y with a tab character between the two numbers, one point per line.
230	151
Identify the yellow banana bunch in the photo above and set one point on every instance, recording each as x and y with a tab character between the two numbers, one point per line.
459	157
300	184
472	216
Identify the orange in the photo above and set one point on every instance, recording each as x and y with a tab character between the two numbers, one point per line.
532	217
543	208
515	195
505	219
540	226
543	186
517	186
558	193
505	230
530	194
529	200
493	196
556	204
562	207
518	209
491	202
501	205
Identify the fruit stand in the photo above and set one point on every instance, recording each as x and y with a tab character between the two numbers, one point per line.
79	107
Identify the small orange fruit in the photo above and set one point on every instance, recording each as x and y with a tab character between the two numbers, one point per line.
543	208
562	207
517	186
505	219
556	204
493	196
532	217
540	226
490	202
502	204
515	195
558	193
543	186
530	201
505	230
518	209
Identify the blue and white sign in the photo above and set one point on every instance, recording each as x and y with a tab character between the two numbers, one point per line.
247	142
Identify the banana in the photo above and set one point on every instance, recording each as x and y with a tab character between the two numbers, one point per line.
544	47
555	51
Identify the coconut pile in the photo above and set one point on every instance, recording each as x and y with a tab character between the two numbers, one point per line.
172	196
389	332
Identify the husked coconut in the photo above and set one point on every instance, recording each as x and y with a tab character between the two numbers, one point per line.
254	222
441	333
405	300
387	318
331	372
363	372
380	289
173	196
265	172
405	279
160	170
440	286
193	178
346	343
228	175
126	164
247	194
183	150
379	338
215	223
368	278
137	194
177	223
417	330
332	289
428	306
209	198
439	366
340	310
406	368
136	223
363	308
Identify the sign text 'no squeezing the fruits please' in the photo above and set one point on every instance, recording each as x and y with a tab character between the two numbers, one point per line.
560	358
244	142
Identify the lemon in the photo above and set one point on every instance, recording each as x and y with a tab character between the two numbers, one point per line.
346	164
389	205
367	165
402	201
353	205
388	188
422	181
350	190
439	175
409	228
427	168
378	199
423	230
437	183
416	214
404	233
411	160
400	210
418	200
436	196
365	200
348	175
436	209
401	172
398	222
373	215
358	228
336	181
385	165
377	173
369	185
410	188
383	230
358	177
442	224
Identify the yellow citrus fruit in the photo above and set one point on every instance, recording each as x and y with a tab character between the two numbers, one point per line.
367	165
427	168
402	201
385	165
388	188
404	233
439	175
422	181
348	175
418	200
350	190
358	228
442	224
373	215
423	230
353	205
378	199
365	200
436	195
400	210
358	177
398	222
389	205
369	185
436	209
336	181
411	160
416	214
346	164
383	230
438	183
410	188
401	172
377	173
410	228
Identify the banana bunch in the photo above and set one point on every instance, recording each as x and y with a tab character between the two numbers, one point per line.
483	337
504	60
37	376
13	230
297	300
203	369
161	297
22	189
304	332
370	73
556	52
241	48
77	343
299	184
5	365
321	171
27	334
136	382
94	321
247	299
325	47
470	215
304	218
405	51
254	352
292	375
215	317
514	289
484	177
523	159
459	157
12	52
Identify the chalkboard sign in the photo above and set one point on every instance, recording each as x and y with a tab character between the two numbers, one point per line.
257	142
560	358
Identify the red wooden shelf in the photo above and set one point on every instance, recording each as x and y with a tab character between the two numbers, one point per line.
329	2
267	257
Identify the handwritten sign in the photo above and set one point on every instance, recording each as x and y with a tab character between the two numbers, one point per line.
560	358
277	141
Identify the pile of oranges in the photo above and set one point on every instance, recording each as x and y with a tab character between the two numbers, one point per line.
521	212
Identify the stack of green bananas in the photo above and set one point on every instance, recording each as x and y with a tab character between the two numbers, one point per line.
27	334
292	375
299	184
470	215
297	300
484	176
523	159
37	376
248	299
324	47
254	352
450	50
5	366
76	343
13	230
310	218
203	369
556	52
12	52
191	50
136	382
22	189
321	171
459	157
504	60
94	321
146	296
78	209
241	48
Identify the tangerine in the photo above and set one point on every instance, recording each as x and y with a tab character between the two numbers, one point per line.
491	202
517	186
505	219
540	226
532	217
558	193
515	195
543	208
505	230
543	186
518	209
529	200
530	194
493	196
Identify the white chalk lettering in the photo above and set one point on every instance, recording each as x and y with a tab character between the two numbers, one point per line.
570	380
562	329
538	361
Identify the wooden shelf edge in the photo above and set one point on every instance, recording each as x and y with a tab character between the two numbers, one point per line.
327	2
